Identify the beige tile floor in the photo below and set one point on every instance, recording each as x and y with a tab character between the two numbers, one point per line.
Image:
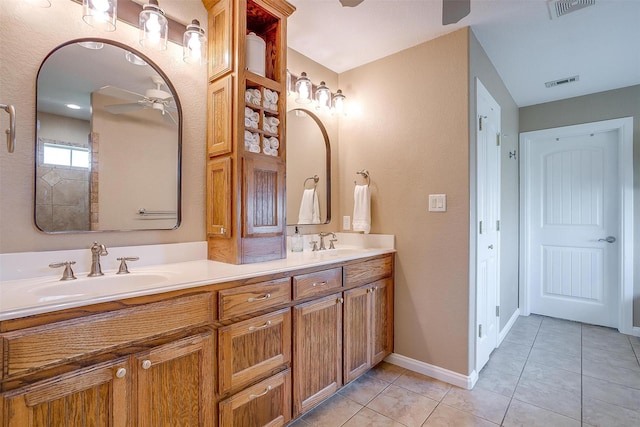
547	372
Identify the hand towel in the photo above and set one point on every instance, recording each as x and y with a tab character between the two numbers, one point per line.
309	207
362	209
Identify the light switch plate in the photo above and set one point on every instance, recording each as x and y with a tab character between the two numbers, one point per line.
437	202
346	222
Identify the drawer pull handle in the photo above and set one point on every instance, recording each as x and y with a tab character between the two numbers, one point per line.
255	328
319	284
267	390
121	372
266	296
146	364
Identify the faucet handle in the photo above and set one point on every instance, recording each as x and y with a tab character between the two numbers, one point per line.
67	274
314	245
124	269
331	243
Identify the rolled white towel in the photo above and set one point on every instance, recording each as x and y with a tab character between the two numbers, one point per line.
250	123
272	121
269	129
254	148
271	96
274	143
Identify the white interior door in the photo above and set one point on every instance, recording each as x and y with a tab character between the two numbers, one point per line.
488	216
574	225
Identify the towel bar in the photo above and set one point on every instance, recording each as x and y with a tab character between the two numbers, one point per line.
315	179
11	132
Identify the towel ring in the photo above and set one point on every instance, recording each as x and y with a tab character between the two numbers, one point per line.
315	180
365	175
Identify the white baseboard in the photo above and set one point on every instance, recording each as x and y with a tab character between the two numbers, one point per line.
454	378
635	331
503	333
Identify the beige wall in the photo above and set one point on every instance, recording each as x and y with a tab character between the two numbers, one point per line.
624	102
22	52
481	67
65	129
409	126
296	64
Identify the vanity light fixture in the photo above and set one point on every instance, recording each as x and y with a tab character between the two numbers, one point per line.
92	45
73	106
134	59
323	97
338	102
100	14
303	89
194	44
154	26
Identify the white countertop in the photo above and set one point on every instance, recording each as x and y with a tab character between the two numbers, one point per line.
25	297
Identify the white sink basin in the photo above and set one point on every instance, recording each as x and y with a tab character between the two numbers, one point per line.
55	290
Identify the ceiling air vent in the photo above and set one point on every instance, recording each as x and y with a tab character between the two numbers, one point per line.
564	81
558	8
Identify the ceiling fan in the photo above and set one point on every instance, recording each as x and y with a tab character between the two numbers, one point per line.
155	99
452	10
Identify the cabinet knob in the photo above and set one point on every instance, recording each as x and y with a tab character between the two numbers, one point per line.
319	284
340	300
121	372
146	364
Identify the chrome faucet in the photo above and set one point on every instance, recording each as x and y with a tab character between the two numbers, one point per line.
322	236
97	250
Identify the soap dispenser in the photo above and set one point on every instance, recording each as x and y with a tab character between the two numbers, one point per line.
296	241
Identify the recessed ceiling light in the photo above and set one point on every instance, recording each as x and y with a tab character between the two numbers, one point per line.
73	106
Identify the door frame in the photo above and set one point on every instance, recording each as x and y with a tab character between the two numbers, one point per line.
624	128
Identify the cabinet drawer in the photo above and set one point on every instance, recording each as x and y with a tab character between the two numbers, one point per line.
368	271
251	298
267	403
308	285
250	349
42	346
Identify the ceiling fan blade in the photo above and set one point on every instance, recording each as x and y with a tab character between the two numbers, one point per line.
454	10
350	3
123	108
117	92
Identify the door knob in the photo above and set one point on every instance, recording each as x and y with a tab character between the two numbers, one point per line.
609	239
490	246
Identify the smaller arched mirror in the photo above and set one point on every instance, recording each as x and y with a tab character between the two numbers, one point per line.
308	169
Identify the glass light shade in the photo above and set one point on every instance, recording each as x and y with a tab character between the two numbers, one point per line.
303	89
194	44
323	97
101	14
154	27
288	83
338	102
134	59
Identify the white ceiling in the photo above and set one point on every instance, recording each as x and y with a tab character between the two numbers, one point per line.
600	43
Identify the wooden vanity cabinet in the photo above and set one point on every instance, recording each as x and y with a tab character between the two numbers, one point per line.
256	193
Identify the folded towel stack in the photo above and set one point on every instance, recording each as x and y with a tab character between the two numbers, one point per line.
252	141
270	124
270	100
270	145
251	118
253	96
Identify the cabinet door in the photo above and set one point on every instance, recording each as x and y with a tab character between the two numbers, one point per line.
250	349
219	197
382	319
263	196
219	124
317	352
357	332
220	39
267	403
96	396
175	384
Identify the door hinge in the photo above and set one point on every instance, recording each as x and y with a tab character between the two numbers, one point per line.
497	311
479	331
498	225
480	122
480	227
498	139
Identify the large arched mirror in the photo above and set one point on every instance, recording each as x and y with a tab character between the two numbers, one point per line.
107	141
308	169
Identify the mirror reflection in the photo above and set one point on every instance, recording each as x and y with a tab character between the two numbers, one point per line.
308	169
107	141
